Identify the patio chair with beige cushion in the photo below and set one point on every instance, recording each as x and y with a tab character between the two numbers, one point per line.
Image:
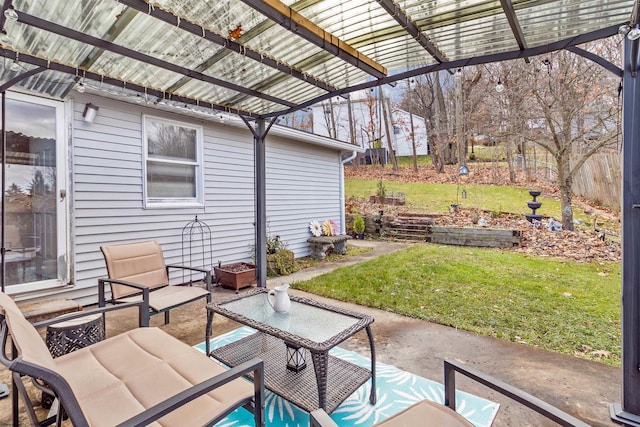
427	413
139	377
137	271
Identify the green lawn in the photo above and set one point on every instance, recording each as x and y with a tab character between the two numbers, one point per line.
564	306
436	198
407	161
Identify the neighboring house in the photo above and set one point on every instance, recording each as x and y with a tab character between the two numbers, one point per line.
143	172
369	131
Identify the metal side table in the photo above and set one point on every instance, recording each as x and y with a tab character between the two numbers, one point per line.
71	335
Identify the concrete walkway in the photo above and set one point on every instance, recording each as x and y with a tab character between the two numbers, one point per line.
580	387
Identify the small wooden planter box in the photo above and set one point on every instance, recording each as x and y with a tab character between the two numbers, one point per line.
389	200
465	236
236	276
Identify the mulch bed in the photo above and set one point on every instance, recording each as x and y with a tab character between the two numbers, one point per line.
583	244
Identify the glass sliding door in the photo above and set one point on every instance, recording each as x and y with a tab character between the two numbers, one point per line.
34	206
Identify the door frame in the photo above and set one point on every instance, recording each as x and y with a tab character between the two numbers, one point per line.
62	224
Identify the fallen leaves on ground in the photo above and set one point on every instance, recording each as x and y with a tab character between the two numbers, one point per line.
583	244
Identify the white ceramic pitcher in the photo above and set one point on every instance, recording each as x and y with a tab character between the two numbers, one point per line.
279	298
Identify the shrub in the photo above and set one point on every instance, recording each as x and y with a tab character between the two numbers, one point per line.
274	244
281	263
381	192
358	224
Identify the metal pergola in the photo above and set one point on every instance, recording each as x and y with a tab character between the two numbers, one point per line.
261	59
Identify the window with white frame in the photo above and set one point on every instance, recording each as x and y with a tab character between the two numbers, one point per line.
173	163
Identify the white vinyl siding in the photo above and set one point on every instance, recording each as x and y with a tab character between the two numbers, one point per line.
303	184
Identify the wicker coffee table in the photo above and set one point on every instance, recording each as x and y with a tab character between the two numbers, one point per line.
285	341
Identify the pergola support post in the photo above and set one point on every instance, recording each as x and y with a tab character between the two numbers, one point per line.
261	203
260	129
628	411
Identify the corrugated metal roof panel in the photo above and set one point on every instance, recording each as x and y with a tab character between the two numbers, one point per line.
252	62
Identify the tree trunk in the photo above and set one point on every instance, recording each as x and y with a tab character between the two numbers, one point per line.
413	143
352	124
509	155
436	159
462	158
566	192
385	113
440	149
332	121
432	143
352	131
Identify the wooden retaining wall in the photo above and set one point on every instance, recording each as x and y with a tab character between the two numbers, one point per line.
464	236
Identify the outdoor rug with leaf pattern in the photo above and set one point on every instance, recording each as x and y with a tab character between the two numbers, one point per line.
397	389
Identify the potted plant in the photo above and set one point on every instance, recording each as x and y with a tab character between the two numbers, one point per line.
358	227
236	275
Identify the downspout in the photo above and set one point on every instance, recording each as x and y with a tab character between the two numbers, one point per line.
343	220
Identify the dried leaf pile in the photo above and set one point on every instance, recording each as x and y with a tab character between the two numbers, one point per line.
583	244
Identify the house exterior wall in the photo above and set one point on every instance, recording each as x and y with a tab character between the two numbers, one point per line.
302	185
107	206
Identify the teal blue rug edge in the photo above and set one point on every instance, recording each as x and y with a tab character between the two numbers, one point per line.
396	389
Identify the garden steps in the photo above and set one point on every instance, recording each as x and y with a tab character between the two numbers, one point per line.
419	227
410	226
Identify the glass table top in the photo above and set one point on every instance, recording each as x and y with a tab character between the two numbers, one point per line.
308	321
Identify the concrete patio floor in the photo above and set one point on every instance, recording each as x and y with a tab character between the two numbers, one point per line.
581	387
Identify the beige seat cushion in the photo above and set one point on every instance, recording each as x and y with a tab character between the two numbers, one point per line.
426	413
141	263
170	296
115	379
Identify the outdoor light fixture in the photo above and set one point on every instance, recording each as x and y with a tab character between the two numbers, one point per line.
11	15
90	112
5	40
15	65
634	33
80	87
295	357
499	86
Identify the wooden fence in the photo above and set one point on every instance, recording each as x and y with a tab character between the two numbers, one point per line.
599	179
